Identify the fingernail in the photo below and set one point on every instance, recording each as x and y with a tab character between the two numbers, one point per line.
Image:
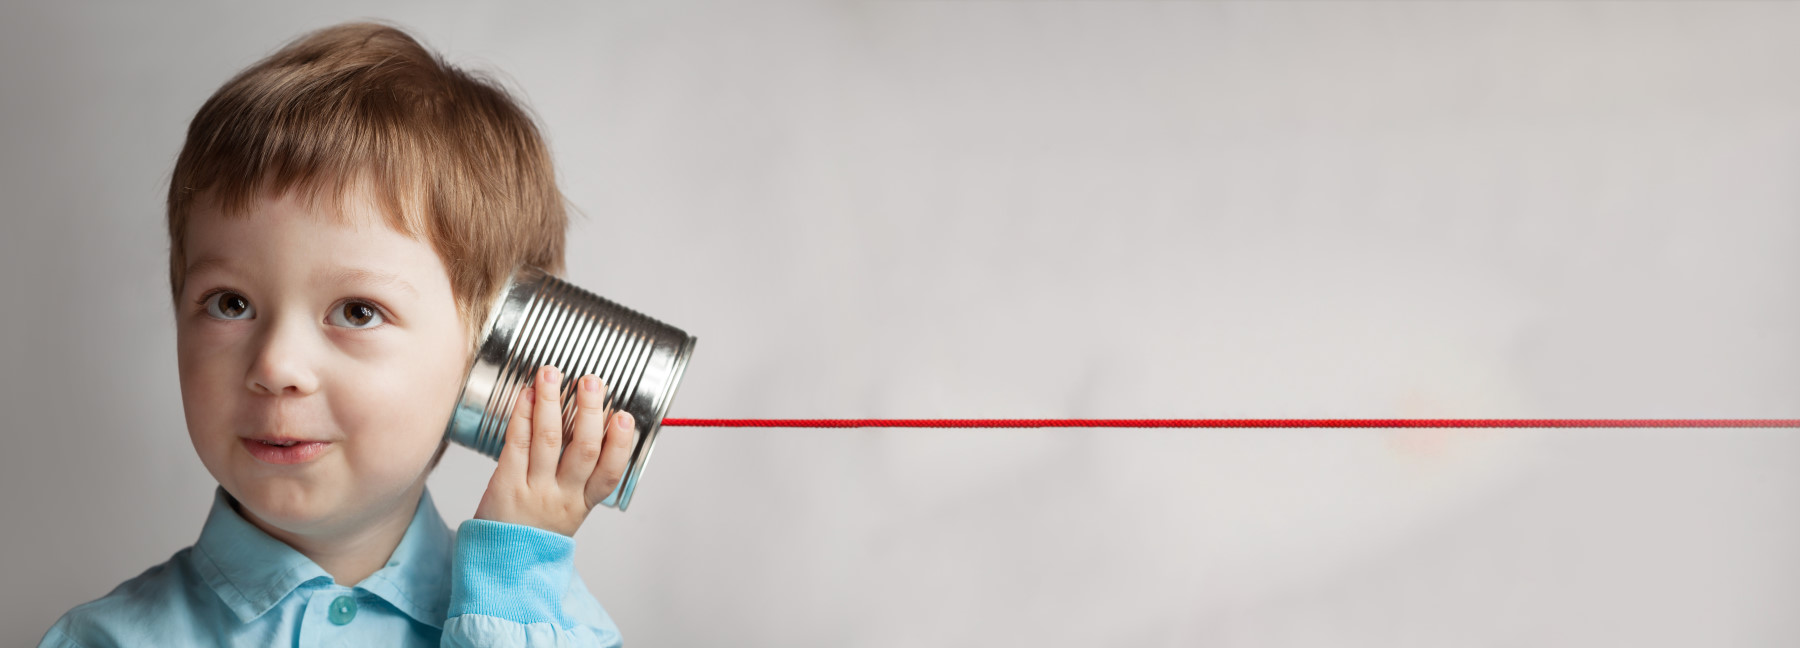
530	393
551	374
623	419
589	383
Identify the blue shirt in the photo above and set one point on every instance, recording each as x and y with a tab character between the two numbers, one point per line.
492	584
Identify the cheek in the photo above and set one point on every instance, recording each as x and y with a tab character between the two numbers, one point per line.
403	413
208	382
206	352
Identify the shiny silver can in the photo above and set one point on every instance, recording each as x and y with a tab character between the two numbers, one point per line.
539	319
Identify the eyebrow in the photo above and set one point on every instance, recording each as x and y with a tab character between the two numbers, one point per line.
204	264
339	275
360	275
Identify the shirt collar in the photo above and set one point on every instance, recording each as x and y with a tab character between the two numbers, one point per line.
251	571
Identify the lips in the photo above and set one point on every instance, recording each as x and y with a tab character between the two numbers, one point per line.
282	442
284	451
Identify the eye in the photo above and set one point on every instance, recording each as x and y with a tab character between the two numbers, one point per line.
228	306
357	315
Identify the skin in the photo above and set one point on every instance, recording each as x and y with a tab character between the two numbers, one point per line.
269	342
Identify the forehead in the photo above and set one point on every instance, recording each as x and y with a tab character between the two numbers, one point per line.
318	240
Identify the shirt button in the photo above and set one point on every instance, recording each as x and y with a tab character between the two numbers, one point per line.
343	610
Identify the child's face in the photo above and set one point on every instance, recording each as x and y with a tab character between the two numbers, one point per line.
344	334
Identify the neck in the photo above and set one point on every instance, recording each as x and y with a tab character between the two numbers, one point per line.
354	552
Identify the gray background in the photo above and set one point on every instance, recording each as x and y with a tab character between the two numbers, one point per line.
1017	209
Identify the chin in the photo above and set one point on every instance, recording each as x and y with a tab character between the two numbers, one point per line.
283	503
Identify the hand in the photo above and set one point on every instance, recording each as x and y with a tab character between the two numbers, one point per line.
536	483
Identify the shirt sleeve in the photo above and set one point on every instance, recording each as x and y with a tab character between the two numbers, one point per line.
56	638
515	585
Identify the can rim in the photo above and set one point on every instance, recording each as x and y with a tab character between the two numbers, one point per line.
496	309
628	484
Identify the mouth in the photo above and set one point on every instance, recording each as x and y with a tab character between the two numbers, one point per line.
283	451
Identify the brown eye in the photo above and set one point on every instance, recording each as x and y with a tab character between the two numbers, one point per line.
228	305
357	315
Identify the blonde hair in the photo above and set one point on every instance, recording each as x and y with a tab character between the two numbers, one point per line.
448	155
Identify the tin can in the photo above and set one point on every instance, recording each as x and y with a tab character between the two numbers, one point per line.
539	319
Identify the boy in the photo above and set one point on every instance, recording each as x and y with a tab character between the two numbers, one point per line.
340	217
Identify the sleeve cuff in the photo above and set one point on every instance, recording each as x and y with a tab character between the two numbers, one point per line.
511	571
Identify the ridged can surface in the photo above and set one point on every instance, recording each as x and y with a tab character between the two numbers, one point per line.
539	319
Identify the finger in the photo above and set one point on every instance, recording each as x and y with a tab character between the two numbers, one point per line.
615	457
546	428
515	449
590	432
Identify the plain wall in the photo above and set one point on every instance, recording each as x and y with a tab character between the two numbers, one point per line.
1058	209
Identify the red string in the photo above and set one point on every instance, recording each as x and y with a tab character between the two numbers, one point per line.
1236	423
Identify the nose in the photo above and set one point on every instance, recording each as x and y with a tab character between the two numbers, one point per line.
283	365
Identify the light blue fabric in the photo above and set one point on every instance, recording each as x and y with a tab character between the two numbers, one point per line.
492	584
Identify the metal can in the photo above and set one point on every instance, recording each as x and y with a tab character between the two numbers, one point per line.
539	319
